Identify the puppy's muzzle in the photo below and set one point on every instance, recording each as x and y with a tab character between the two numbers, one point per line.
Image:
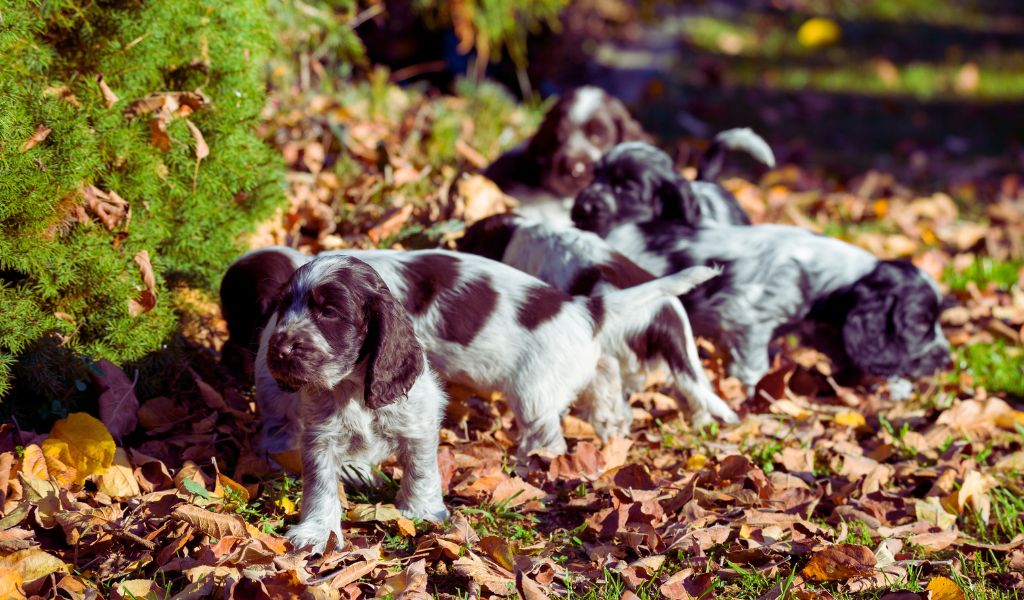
292	358
591	209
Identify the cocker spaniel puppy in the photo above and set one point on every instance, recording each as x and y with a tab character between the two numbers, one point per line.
873	317
636	182
547	171
581	263
489	326
339	339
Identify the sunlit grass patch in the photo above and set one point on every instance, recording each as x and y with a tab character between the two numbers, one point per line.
982	271
997	367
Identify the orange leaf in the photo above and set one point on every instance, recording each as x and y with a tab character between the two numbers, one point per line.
839	563
37	137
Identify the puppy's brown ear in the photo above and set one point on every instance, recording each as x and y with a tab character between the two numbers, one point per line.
395	356
627	128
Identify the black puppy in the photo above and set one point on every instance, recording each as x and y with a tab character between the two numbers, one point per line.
872	317
636	182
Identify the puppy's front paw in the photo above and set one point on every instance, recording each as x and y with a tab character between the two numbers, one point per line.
426	511
312	535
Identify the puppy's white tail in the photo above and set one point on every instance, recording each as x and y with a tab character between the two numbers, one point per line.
625	309
741	139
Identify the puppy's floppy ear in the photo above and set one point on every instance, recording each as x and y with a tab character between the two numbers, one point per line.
395	356
627	128
678	202
870	333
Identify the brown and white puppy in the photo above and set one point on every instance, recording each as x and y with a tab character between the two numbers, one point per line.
340	339
489	326
581	263
547	171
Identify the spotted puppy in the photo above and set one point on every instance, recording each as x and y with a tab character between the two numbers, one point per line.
873	317
581	263
636	182
489	326
341	344
547	171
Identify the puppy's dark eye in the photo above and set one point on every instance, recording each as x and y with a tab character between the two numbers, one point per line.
328	312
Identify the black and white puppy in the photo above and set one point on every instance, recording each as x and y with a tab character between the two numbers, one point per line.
873	317
545	172
340	339
489	326
581	263
636	182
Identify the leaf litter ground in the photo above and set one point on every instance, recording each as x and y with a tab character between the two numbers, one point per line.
822	491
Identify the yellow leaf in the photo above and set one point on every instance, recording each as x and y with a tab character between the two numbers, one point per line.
1011	419
10	583
119	481
286	505
32	563
406	527
850	419
818	32
696	462
33	462
231	484
944	589
788	407
88	446
63	473
290	460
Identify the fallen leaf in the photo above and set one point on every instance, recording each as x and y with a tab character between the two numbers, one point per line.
514	492
391	225
202	150
410	584
147	297
942	588
10	583
382	513
931	511
213	524
118	481
40	134
118	404
108	94
839	563
818	32
850	419
405	527
32	564
83	442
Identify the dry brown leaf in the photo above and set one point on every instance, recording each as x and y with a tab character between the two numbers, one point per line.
382	513
38	136
410	584
202	150
514	492
108	94
213	524
118	481
839	563
118	404
391	225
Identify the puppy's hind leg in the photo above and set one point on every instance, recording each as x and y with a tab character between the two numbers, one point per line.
669	339
749	352
603	403
539	417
